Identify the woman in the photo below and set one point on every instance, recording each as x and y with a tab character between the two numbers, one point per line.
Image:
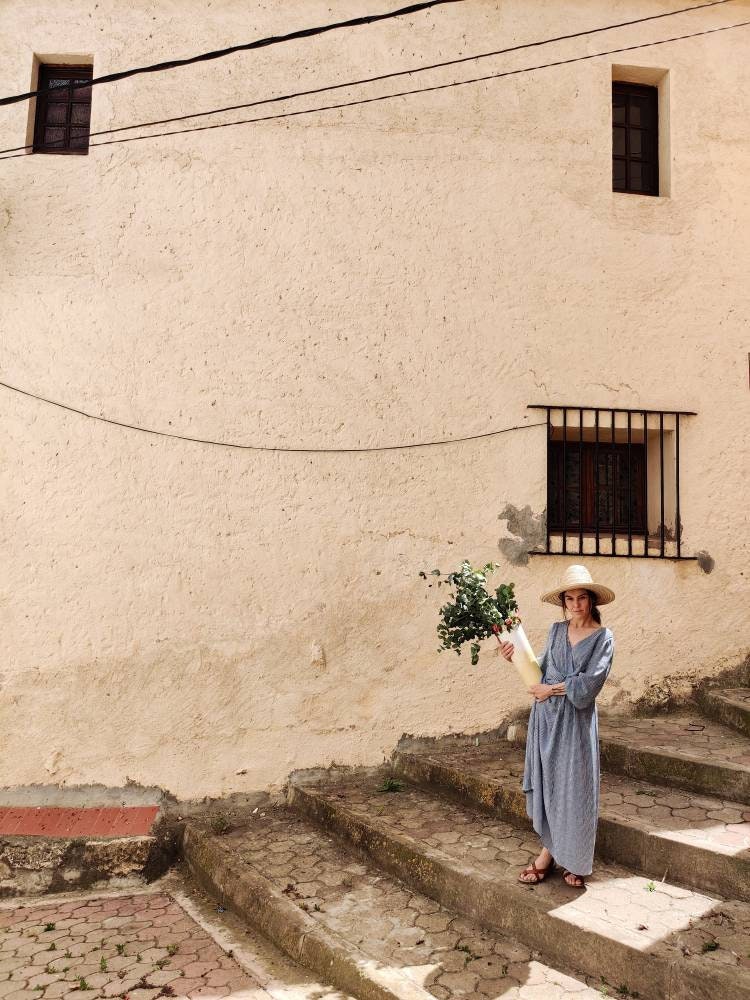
561	775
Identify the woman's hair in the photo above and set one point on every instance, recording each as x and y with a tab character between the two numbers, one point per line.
594	609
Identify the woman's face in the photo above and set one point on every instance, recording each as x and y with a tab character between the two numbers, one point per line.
578	603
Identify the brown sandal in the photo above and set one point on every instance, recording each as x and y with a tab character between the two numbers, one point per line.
573	885
540	873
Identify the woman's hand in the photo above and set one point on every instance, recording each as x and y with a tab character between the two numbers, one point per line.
507	649
541	692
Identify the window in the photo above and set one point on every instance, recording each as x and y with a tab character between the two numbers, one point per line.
61	123
613	482
635	139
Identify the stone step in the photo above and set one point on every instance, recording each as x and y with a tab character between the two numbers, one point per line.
682	750
357	927
697	841
730	706
657	939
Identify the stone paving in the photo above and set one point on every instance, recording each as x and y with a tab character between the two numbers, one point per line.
658	917
687	735
138	947
715	824
447	955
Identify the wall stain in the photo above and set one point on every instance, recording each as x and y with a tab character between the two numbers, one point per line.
705	561
530	532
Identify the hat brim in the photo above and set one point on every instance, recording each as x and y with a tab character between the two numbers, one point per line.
603	594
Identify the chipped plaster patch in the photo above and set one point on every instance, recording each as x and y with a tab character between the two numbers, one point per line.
527	530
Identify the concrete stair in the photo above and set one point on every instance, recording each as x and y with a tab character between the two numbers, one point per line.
657	939
684	750
406	889
699	841
729	706
339	914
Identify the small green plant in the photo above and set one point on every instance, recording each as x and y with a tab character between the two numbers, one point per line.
220	824
710	945
67	953
172	949
39	987
473	614
166	991
391	785
504	970
50	970
52	947
49	927
160	963
102	964
120	949
82	984
138	957
650	887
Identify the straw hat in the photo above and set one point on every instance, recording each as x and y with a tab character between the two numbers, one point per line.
578	577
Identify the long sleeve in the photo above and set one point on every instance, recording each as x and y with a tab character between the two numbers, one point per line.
584	685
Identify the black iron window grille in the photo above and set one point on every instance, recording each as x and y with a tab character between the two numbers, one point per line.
613	482
63	112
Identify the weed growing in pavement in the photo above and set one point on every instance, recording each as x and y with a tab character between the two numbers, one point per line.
120	949
391	785
82	984
220	824
52	947
51	970
161	962
166	991
49	927
710	945
138	957
651	887
67	953
102	964
172	949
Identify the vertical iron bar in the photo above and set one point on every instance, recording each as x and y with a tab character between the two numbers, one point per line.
565	481
580	479
630	486
614	486
550	466
677	522
596	476
661	483
645	483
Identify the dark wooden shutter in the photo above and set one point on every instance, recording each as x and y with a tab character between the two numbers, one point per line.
63	114
576	488
635	139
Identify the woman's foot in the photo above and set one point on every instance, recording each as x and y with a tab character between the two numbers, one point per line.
538	870
572	879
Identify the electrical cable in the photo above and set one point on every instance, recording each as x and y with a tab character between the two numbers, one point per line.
419	90
253	447
247	46
387	76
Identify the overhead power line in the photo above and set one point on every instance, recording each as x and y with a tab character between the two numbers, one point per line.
256	447
390	76
418	90
259	43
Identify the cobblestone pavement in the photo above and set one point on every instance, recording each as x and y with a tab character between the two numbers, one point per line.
139	946
617	904
446	954
716	824
688	735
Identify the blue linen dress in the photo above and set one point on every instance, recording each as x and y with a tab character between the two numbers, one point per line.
561	772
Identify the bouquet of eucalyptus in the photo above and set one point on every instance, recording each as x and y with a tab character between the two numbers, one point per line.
473	614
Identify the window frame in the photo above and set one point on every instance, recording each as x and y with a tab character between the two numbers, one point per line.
649	132
658	432
70	72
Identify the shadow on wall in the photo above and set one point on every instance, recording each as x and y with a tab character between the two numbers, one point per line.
529	531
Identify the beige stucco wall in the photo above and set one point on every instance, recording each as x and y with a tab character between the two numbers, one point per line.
393	273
